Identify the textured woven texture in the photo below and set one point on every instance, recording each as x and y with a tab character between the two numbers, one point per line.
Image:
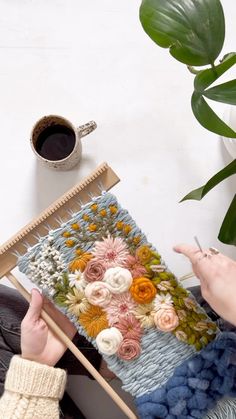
100	270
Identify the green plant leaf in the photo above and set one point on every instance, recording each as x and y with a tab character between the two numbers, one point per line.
225	92
208	118
205	78
194	31
227	232
199	193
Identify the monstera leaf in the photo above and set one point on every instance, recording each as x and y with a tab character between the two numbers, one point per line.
225	93
227	232
193	30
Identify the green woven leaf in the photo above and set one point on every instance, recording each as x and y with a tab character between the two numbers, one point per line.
194	31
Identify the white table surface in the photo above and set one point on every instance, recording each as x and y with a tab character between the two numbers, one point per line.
92	60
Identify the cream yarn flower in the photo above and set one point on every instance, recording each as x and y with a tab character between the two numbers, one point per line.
161	299
98	293
118	279
109	340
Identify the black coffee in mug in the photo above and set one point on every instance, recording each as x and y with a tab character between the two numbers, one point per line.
55	142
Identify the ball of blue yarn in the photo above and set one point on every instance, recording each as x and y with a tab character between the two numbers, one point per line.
196	385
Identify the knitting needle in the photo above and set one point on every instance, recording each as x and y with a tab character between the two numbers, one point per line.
64	338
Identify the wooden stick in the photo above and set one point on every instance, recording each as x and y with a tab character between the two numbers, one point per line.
64	338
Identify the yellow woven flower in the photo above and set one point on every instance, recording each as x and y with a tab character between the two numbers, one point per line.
127	229
93	227
94	207
113	209
79	264
103	213
136	240
86	217
144	254
94	320
66	234
70	243
75	226
119	225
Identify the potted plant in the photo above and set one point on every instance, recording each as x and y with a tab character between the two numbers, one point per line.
194	32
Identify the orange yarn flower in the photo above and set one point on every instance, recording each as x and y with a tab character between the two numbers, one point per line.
136	240
94	320
142	290
85	217
66	234
94	207
127	229
119	225
113	209
144	254
93	227
75	226
70	243
79	264
103	213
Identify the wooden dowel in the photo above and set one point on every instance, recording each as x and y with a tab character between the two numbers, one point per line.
70	345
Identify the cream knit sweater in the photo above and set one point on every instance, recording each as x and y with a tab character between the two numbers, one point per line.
32	390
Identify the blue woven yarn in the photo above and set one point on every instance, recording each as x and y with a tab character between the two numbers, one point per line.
196	385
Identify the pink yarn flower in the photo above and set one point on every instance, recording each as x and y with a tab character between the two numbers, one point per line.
133	264
129	349
166	318
94	271
111	251
130	327
120	306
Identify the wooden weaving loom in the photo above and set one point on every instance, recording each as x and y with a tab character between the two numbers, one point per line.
49	219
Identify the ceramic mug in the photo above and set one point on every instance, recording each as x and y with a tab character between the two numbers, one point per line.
57	142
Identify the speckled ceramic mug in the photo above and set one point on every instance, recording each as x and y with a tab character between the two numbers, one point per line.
70	156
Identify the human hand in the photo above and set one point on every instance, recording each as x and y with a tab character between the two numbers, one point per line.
217	274
38	342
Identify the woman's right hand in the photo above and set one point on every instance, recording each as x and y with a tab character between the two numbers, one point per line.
217	275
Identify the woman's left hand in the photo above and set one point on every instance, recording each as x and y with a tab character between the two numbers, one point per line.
38	342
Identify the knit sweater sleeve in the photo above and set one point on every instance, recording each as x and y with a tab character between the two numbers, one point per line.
32	390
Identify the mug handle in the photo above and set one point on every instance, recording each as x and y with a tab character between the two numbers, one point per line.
87	128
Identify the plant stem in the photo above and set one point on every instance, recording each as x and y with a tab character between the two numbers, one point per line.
214	68
192	69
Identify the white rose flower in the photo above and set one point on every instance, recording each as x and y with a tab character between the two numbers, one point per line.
109	340
118	279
